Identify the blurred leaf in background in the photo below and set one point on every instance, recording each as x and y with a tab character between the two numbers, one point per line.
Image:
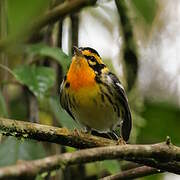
112	166
43	50
64	119
21	14
146	9
19	150
154	177
3	109
103	167
18	106
162	120
37	79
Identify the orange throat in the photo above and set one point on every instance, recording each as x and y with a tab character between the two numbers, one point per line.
80	75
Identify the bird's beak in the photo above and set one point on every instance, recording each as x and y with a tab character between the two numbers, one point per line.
77	51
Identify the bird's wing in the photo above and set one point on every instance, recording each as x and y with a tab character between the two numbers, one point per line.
122	99
64	100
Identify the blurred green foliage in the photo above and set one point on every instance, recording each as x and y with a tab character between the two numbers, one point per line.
38	79
63	118
154	177
146	9
112	166
12	150
3	109
162	119
22	13
43	50
18	107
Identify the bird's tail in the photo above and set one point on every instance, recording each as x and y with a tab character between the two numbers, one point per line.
127	124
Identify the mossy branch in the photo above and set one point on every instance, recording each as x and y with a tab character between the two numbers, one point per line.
63	136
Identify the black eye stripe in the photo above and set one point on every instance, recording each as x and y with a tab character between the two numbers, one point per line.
95	66
92	58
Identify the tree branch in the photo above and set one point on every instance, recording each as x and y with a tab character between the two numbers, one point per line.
51	134
129	50
60	11
50	17
162	154
133	173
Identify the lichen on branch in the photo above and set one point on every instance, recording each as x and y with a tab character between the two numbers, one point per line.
63	136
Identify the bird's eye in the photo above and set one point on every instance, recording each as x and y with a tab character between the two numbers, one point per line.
91	58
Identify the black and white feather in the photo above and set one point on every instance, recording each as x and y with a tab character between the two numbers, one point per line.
122	99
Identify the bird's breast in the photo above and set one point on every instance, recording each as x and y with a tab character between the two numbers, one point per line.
80	75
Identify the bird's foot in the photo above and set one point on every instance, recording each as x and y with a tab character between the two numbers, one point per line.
86	130
76	132
121	141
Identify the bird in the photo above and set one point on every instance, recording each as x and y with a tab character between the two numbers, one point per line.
93	96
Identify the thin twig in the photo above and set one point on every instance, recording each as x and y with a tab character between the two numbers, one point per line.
74	30
133	173
33	106
7	69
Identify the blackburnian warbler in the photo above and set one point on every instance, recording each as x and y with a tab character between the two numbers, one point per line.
94	96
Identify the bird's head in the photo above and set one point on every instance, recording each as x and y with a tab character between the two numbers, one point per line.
86	64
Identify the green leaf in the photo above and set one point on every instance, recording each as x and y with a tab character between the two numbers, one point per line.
64	119
22	13
10	146
19	17
147	9
3	109
37	79
162	119
41	49
29	150
111	165
160	176
19	150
